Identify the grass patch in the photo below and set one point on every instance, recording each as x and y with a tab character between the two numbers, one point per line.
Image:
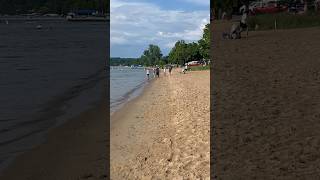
284	21
199	68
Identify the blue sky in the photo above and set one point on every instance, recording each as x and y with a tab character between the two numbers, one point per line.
137	23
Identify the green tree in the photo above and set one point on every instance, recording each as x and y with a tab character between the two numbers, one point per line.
178	54
151	56
165	59
193	52
204	43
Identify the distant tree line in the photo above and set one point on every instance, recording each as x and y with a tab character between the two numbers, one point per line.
184	52
51	6
181	53
117	61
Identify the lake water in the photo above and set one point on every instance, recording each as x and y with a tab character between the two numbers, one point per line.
47	76
125	84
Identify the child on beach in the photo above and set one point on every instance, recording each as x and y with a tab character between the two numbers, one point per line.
157	71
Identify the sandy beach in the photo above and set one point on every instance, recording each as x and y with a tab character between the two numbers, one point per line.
266	104
74	151
164	133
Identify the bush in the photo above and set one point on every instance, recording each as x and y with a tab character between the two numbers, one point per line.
284	21
199	68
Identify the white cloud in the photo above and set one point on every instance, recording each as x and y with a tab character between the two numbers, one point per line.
170	44
118	40
141	23
200	2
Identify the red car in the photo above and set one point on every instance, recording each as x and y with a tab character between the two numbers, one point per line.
269	8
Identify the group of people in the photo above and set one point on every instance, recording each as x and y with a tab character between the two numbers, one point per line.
156	71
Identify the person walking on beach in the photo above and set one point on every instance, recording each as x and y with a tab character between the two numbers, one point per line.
244	23
185	69
157	72
154	72
148	73
170	69
164	70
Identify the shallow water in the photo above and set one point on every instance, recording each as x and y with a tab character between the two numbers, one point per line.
125	84
46	77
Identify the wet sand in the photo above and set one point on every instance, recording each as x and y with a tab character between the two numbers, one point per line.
266	104
74	151
164	133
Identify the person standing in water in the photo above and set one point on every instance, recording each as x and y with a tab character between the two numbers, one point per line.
148	73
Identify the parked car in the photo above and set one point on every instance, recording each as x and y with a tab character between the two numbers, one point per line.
194	63
268	8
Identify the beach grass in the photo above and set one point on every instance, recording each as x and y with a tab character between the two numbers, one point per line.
199	68
284	21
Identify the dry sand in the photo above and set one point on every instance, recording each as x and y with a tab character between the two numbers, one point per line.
164	133
266	103
74	151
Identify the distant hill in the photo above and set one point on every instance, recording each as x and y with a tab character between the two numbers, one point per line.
51	6
116	61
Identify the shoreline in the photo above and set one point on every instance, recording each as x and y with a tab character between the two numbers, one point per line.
124	103
53	113
73	150
155	135
131	95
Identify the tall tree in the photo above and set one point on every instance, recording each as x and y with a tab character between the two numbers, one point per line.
193	52
204	42
151	56
178	54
